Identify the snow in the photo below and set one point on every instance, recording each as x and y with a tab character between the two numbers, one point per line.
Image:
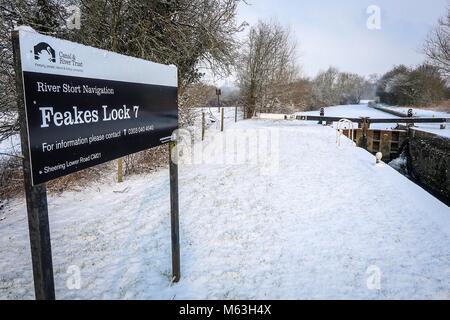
432	128
363	110
25	28
10	146
365	101
427	113
212	119
318	227
417	112
357	111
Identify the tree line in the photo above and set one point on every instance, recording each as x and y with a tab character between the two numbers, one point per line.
418	86
194	35
270	81
201	36
426	84
191	34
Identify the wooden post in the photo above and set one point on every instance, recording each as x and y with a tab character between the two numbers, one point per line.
364	124
36	198
221	119
203	125
410	115
174	212
322	114
120	170
218	93
235	114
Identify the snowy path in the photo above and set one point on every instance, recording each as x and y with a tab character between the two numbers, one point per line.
311	231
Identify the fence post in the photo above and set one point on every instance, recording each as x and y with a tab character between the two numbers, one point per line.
218	93
36	199
203	125
322	113
410	115
120	170
364	125
174	211
222	119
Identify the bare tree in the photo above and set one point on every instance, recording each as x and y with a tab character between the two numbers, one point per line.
350	88
370	86
196	95
324	88
185	33
437	46
332	87
267	61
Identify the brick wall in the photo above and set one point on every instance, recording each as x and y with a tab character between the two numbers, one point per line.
429	162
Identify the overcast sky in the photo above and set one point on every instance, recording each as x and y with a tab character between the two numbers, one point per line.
331	32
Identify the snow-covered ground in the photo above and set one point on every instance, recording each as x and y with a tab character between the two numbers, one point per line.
10	146
356	111
428	127
213	118
363	110
328	223
419	112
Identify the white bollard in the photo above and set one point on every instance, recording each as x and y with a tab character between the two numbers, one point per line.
379	156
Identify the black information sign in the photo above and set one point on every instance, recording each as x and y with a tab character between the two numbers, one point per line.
76	122
80	106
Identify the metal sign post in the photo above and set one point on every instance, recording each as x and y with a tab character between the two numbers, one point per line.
174	212
203	125
36	198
